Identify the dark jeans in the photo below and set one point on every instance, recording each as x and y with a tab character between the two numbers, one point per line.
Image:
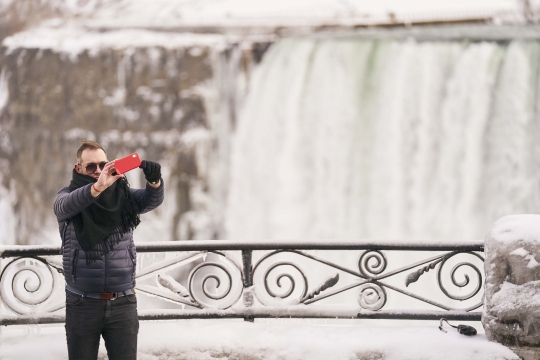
88	319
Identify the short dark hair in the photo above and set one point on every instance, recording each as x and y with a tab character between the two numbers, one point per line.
88	144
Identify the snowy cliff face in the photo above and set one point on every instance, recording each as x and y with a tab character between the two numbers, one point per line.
512	291
169	97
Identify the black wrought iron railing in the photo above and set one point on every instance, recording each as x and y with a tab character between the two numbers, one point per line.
267	279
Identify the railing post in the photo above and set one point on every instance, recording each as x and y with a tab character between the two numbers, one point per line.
247	277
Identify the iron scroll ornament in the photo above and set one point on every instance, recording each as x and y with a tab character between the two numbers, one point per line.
372	263
372	296
223	294
292	286
284	295
303	296
441	261
463	283
37	286
414	276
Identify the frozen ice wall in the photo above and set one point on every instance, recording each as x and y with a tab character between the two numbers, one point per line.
351	138
171	97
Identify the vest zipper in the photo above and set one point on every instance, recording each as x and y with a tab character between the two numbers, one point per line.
74	265
133	261
106	260
64	237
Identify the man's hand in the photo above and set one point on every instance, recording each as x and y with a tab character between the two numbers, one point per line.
152	171
106	178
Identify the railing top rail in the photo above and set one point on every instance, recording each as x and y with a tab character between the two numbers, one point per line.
263	312
216	245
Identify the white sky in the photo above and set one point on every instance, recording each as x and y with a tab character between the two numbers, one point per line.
189	11
174	13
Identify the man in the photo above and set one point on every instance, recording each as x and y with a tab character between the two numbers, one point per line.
97	214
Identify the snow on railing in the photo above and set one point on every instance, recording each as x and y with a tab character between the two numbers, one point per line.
220	279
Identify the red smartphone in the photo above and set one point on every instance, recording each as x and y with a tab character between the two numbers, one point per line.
127	163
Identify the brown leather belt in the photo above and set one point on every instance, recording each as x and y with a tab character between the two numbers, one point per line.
103	295
108	295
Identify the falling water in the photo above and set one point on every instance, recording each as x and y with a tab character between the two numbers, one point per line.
385	139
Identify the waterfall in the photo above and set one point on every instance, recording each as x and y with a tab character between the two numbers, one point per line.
346	138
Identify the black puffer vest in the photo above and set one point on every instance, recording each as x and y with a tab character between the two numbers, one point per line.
115	272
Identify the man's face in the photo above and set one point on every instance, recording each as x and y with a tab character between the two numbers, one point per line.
91	162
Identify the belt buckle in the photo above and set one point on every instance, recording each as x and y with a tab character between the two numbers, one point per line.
108	296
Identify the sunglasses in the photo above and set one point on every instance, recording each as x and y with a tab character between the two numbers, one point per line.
92	167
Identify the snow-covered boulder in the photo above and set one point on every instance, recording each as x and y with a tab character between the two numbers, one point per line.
511	313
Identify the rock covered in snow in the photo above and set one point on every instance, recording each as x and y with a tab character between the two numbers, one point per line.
512	291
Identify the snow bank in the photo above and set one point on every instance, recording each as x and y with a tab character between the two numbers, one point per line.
512	300
510	228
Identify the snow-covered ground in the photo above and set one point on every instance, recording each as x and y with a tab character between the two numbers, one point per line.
227	339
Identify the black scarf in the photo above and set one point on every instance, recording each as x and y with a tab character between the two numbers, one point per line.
101	225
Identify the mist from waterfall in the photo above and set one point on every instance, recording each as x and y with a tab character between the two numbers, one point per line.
346	138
